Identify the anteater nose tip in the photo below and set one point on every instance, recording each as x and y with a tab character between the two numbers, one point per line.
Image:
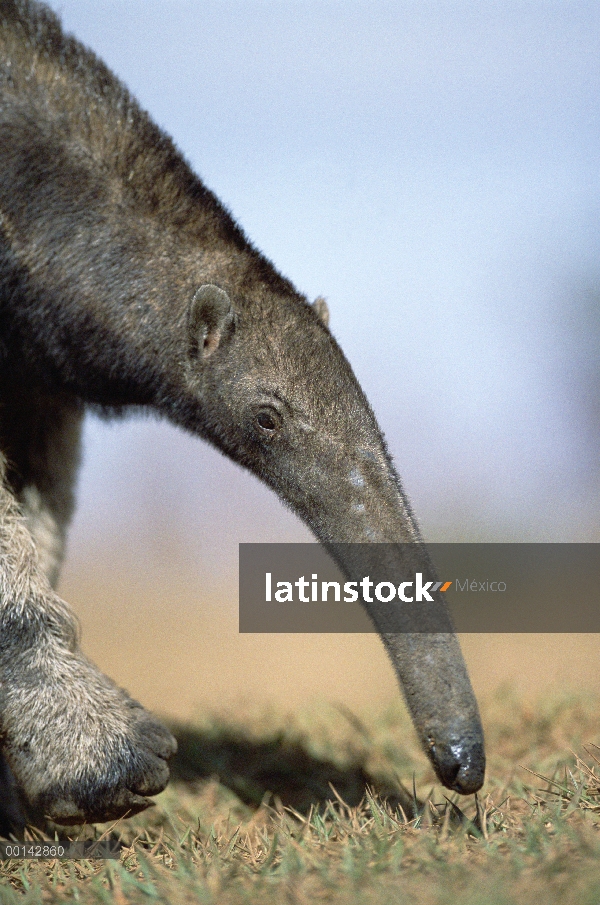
460	766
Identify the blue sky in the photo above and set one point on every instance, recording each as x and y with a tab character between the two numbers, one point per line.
432	168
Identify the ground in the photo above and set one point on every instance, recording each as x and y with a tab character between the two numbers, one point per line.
320	807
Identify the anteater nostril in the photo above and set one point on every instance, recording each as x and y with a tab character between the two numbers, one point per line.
461	767
447	768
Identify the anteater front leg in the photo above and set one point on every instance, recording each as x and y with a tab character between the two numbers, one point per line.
79	747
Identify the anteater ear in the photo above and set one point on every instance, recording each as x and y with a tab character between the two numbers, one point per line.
210	320
322	309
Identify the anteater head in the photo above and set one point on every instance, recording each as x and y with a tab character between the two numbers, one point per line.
277	395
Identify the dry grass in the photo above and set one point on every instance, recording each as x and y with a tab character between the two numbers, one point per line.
267	811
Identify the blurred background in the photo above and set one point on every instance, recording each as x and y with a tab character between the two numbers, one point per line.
432	169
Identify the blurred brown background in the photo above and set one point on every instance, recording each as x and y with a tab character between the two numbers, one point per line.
158	602
180	660
178	654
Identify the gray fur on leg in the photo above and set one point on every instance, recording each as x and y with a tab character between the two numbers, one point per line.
79	748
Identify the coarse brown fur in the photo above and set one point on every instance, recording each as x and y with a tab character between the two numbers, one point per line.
124	283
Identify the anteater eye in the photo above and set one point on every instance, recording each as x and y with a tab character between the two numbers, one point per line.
268	421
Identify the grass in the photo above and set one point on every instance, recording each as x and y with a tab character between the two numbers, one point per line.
269	811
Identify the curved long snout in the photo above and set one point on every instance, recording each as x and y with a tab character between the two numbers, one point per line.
433	676
418	634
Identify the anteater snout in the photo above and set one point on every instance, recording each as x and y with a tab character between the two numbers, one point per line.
460	766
